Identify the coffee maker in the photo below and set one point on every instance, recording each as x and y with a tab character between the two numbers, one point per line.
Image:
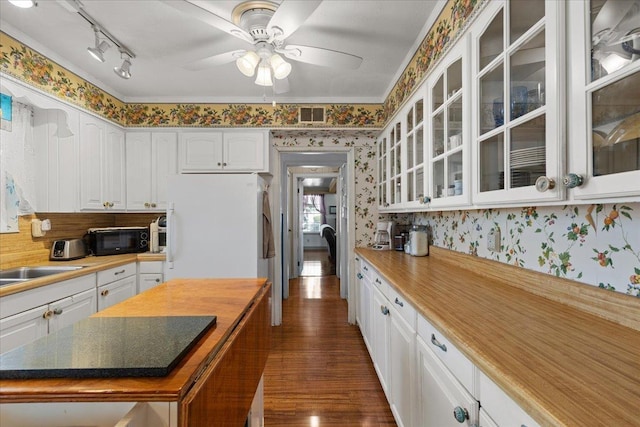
383	237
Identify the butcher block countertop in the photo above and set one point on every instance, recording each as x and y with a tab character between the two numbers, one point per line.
231	300
91	264
569	358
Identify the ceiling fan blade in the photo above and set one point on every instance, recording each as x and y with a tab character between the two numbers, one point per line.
212	61
280	86
320	56
195	11
290	15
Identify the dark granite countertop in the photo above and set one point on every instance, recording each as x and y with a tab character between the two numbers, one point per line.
106	347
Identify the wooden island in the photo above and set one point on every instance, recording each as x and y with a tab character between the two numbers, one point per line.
214	384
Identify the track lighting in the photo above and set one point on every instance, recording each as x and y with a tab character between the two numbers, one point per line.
100	46
25	4
124	70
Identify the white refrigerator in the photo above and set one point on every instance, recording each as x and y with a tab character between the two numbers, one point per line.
215	226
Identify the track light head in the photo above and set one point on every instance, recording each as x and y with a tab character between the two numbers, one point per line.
100	47
25	4
124	71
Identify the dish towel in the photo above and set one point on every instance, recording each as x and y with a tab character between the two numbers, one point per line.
268	246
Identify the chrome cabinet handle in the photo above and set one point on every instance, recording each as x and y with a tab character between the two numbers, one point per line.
460	414
360	276
400	303
384	310
119	272
105	292
57	311
378	281
365	268
437	343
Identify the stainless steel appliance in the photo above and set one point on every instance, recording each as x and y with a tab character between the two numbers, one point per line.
67	249
117	240
158	234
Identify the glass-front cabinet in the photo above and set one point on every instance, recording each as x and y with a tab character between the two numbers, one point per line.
604	102
518	132
448	118
415	166
390	167
383	183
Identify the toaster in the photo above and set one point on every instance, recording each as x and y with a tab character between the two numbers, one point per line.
67	249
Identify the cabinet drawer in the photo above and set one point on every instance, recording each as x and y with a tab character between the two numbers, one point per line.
379	283
150	267
366	269
461	367
402	306
500	407
116	273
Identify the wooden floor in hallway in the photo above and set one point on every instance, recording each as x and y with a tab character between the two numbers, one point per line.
319	373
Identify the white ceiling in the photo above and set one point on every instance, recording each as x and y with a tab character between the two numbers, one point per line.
384	33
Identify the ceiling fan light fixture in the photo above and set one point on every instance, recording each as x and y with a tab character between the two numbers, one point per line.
247	63
263	77
24	4
281	68
124	71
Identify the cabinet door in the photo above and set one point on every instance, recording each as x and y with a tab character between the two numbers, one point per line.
365	308
485	419
165	163
518	125
200	152
244	151
380	337
383	172
72	309
115	292
23	328
415	170
604	118
148	281
402	339
92	136
138	155
441	397
114	168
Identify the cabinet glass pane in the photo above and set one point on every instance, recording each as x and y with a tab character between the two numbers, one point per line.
527	76
454	174
410	161
492	163
398	188
438	134
523	14
420	183
392	193
410	120
615	35
615	119
491	41
392	162
454	77
410	190
527	155
455	124
398	131
437	93
398	157
419	111
492	100
438	179
419	135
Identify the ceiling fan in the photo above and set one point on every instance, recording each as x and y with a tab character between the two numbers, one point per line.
265	25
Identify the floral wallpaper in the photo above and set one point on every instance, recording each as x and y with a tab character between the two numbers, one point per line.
363	142
594	244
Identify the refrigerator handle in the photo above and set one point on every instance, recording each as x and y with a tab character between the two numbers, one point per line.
170	234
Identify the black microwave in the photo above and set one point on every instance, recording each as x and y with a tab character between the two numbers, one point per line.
117	240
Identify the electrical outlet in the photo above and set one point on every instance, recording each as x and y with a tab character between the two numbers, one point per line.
493	240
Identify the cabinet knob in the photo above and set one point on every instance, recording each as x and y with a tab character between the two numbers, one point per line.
572	180
105	292
105	204
47	314
437	343
147	204
360	276
111	204
460	414
57	311
157	280
219	164
153	205
224	164
544	183
378	281
384	310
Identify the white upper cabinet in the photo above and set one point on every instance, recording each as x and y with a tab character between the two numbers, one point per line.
227	151
415	171
604	99
518	91
102	165
151	158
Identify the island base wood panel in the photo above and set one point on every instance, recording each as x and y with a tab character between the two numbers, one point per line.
224	395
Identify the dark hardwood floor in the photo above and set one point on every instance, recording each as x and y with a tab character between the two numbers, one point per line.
319	372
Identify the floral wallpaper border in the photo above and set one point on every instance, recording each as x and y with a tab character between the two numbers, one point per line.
29	66
595	244
366	206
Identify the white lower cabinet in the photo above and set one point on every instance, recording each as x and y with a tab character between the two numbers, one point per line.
23	328
502	410
443	401
149	274
485	419
380	338
402	344
69	310
116	285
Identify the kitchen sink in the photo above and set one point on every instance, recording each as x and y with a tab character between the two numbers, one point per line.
20	274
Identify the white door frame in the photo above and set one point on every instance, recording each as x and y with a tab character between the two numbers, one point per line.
279	208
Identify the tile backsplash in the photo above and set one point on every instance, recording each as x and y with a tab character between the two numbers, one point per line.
595	244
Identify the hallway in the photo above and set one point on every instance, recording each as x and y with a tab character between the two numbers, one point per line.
319	373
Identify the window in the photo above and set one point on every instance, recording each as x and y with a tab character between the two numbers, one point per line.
313	207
